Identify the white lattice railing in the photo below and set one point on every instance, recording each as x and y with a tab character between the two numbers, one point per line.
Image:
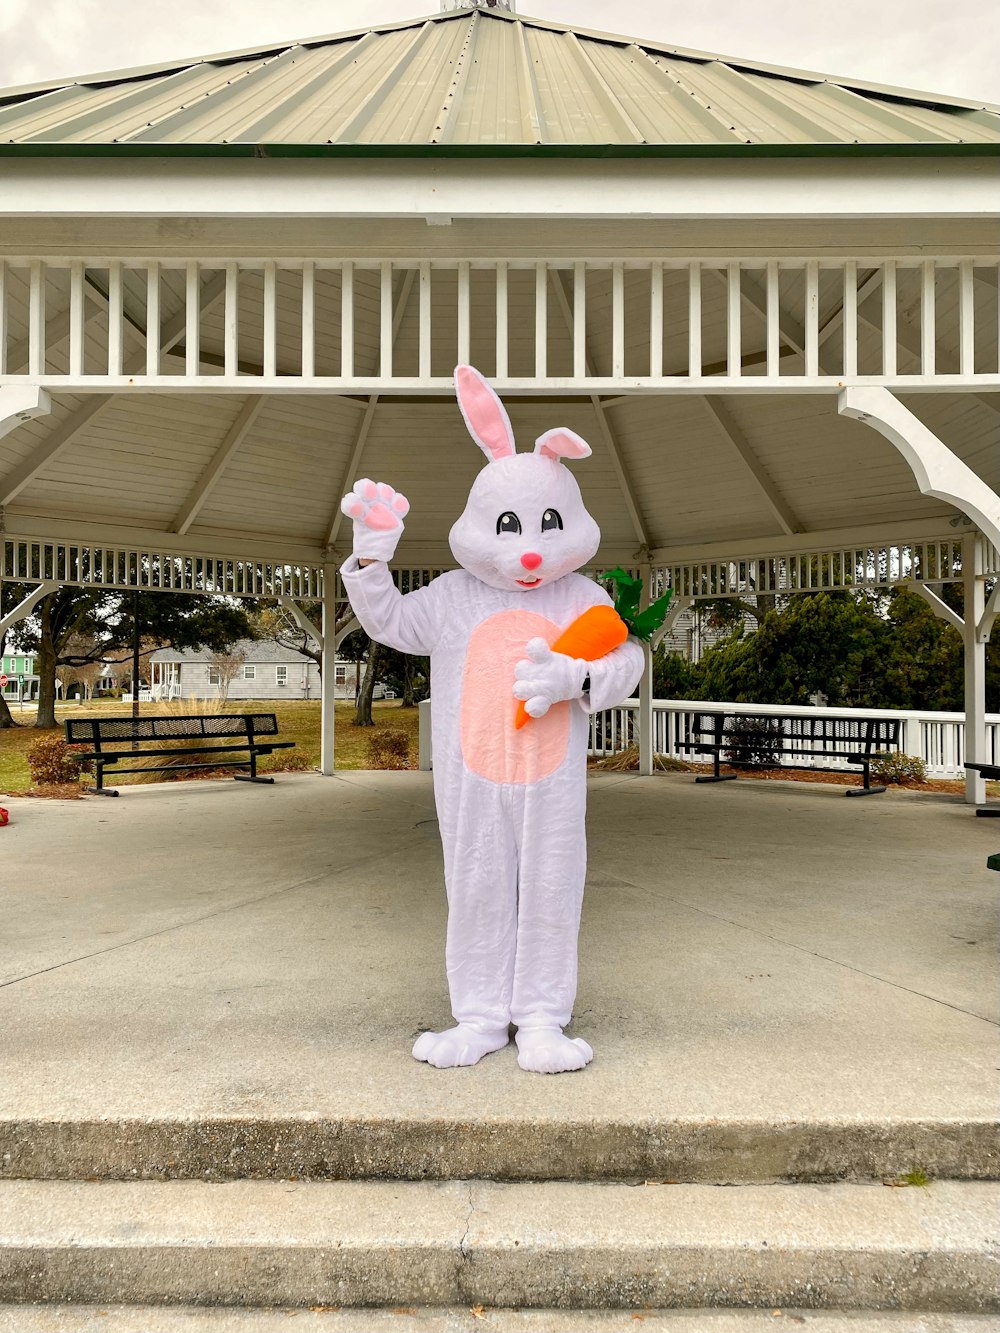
938	738
33	560
880	565
751	324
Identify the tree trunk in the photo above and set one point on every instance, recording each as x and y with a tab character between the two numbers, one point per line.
408	699
6	720
363	711
46	716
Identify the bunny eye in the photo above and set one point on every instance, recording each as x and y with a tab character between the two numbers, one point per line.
508	523
551	519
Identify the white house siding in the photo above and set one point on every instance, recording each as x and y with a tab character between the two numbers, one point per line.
303	682
691	634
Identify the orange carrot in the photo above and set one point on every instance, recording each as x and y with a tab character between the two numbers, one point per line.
594	634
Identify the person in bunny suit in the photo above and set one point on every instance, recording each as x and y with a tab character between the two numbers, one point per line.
511	802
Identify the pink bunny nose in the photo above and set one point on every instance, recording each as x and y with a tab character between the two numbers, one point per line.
531	560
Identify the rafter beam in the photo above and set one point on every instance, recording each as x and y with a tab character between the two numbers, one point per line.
754	297
203	487
171	332
734	434
365	424
908	337
604	425
57	330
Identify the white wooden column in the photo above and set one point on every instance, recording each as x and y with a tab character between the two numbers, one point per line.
646	689
973	583
328	682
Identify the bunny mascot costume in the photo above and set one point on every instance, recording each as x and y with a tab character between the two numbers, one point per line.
511	802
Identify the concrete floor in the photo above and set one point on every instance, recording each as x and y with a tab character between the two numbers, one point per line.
752	950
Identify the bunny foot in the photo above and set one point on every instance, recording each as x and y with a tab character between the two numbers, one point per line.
549	1051
461	1045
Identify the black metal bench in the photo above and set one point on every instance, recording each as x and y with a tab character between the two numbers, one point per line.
989	771
249	732
741	736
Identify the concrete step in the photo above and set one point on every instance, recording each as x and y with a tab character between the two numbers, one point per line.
522	1147
460	1319
567	1246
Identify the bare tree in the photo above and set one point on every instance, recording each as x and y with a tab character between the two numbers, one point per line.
280	626
85	671
228	665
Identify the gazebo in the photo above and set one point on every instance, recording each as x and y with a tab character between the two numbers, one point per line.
768	297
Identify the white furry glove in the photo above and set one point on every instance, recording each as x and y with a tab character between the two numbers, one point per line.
545	678
378	512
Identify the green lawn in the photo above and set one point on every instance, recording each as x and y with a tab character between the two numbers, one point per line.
297	721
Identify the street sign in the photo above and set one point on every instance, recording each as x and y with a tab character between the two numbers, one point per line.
3	681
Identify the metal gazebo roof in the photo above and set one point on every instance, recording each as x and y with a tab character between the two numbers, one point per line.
475	82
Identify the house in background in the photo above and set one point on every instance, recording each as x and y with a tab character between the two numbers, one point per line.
267	671
22	681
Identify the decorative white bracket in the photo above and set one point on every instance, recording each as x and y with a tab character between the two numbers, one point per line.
24	607
20	403
940	608
353	624
302	620
985	627
678	605
937	470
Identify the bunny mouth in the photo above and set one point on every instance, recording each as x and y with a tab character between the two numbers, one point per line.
528	583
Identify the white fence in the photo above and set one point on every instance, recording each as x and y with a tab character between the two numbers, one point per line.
938	738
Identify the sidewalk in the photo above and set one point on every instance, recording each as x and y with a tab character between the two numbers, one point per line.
751	953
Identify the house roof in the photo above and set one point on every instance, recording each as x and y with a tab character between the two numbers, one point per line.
259	652
480	82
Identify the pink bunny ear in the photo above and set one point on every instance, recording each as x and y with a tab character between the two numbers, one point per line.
485	415
562	443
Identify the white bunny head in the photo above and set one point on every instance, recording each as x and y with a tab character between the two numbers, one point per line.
525	523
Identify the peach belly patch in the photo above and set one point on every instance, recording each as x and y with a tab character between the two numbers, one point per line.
490	745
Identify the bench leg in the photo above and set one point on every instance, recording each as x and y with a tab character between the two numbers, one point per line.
988	812
716	777
252	775
867	789
99	788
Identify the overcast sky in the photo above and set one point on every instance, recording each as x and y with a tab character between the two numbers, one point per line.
930	45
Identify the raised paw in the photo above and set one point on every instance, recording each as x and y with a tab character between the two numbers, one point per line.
376	505
550	1051
461	1045
378	512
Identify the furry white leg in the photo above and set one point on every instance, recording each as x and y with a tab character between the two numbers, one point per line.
461	1045
549	1051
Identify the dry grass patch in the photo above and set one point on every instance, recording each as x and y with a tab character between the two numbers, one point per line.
298	721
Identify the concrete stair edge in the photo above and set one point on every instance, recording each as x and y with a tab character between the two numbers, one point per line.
710	1151
563	1246
461	1319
